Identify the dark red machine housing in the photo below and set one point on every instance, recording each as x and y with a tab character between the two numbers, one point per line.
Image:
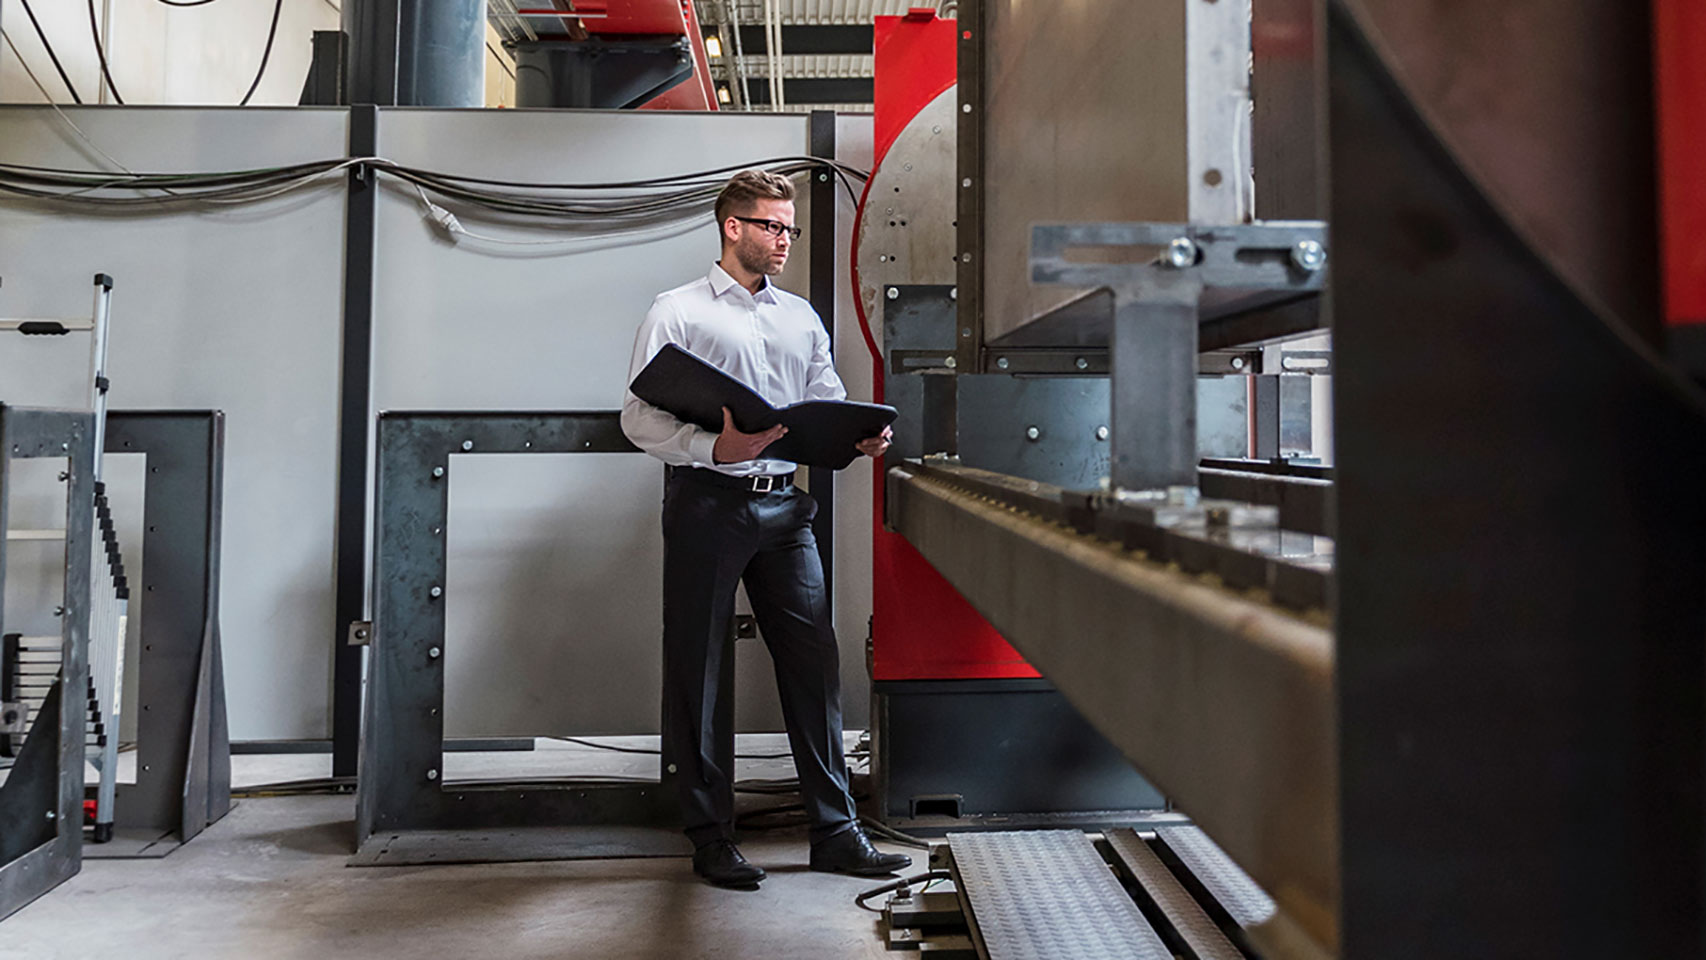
922	629
648	18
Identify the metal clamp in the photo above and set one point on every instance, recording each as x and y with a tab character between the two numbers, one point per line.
1281	255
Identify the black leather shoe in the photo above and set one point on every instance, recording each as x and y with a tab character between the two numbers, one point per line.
850	851
720	863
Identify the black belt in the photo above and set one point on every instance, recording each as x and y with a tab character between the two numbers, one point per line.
760	484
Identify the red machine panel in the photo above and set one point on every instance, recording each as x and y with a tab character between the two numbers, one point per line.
656	18
922	628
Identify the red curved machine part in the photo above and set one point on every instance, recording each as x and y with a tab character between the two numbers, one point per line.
922	629
1679	28
651	18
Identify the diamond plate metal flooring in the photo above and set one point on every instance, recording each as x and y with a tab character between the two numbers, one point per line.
1047	894
1187	916
1229	885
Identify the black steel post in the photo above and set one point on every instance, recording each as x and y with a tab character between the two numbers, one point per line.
327	70
823	254
354	405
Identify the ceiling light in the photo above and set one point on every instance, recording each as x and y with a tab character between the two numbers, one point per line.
714	46
722	94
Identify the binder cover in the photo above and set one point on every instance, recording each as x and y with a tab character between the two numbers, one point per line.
821	433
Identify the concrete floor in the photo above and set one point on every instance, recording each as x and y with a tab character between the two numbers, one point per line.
269	881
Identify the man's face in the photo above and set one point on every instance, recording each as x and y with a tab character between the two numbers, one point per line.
755	249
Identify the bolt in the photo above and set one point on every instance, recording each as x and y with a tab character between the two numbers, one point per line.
1033	433
1001	363
1309	255
965	108
909	168
823	177
965	258
432	774
434	652
1081	363
953	293
936	129
437	472
965	331
436	591
951	363
64	476
672	768
966	182
1101	433
1237	363
894	293
59	611
467	445
1181	253
437	530
52	816
65	446
361	633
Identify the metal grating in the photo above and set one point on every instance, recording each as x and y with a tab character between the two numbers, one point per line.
1047	894
1200	933
1230	886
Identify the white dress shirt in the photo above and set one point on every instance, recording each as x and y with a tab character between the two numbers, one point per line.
771	341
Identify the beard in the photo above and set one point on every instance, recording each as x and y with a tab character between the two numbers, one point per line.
754	257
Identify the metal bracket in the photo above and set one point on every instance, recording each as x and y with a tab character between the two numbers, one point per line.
1157	312
360	633
1286	255
12	718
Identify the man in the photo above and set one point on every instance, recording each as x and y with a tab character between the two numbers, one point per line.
730	517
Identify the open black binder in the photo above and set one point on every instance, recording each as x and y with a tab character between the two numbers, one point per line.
821	433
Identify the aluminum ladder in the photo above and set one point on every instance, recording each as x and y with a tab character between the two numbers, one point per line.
28	665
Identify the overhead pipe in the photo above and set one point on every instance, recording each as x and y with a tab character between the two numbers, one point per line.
425	53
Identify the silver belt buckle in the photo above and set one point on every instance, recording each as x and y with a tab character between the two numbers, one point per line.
768	484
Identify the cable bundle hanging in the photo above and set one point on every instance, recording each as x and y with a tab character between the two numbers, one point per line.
592	207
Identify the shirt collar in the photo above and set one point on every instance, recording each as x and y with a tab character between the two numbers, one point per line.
722	283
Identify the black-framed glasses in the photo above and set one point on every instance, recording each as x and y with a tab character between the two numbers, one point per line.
774	227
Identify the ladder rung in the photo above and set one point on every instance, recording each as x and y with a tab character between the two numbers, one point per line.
35	534
68	324
40	643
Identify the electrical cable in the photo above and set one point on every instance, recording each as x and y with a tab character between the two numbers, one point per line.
42	35
266	53
894	885
655	752
877	371
881	829
292	788
101	53
583	209
186	3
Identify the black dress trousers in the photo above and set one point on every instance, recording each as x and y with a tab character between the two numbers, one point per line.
716	537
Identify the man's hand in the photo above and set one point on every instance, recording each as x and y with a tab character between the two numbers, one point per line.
736	447
874	446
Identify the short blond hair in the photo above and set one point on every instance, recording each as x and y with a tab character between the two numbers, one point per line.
747	187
